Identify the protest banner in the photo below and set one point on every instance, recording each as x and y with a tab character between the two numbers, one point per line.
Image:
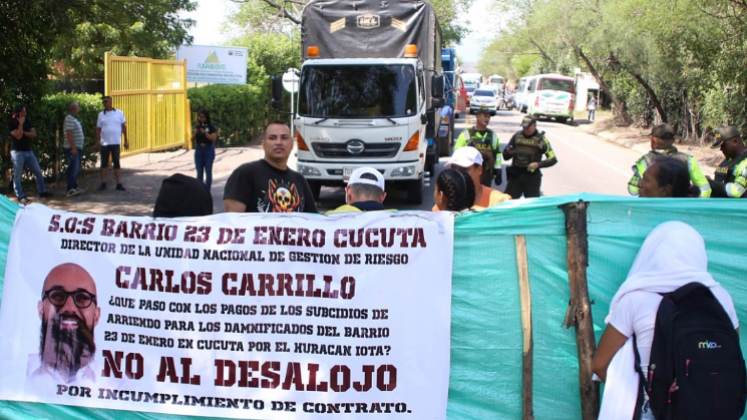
239	316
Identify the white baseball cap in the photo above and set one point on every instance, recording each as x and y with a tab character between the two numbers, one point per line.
465	157
357	177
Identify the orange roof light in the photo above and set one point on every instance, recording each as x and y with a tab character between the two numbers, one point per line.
411	51
312	52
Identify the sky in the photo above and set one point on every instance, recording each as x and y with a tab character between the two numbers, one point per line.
211	14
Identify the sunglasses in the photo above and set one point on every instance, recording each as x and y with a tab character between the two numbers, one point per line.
81	298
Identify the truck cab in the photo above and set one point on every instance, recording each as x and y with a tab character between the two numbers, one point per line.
370	92
356	112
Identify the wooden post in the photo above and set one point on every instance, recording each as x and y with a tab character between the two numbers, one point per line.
579	307
526	327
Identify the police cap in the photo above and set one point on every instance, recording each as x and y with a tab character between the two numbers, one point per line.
725	133
528	120
484	110
663	131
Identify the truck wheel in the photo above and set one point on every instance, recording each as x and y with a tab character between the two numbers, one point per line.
430	162
449	150
316	189
562	120
443	146
415	191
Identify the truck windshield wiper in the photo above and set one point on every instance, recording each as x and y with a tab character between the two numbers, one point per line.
389	118
320	121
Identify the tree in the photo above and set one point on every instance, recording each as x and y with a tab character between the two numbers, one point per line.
254	16
44	37
146	28
29	30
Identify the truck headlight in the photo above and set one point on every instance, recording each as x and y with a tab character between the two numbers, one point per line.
308	170
404	171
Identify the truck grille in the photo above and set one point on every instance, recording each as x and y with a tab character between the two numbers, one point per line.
371	150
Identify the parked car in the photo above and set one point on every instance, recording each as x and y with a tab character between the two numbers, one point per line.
470	91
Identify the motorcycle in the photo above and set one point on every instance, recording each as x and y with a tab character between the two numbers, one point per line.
510	104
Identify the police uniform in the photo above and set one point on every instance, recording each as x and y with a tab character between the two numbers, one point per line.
484	141
526	150
666	132
730	180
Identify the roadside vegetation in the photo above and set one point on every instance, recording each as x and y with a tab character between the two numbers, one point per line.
677	61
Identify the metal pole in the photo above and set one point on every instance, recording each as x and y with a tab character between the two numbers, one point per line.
293	112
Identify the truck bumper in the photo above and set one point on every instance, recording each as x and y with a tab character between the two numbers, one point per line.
332	173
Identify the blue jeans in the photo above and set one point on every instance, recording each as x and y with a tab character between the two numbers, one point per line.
204	157
591	114
73	166
21	159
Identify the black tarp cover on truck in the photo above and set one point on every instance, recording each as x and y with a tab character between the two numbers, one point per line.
372	29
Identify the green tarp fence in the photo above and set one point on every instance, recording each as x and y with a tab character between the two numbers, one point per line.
486	332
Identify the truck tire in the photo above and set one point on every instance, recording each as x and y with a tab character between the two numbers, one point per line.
562	120
316	189
430	161
450	150
415	190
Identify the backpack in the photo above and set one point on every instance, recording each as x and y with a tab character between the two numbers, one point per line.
696	370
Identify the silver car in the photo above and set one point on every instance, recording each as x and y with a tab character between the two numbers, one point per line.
483	98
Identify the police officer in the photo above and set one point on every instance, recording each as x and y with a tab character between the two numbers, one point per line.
731	174
662	144
526	148
484	139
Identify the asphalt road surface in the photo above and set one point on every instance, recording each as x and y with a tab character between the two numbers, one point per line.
586	163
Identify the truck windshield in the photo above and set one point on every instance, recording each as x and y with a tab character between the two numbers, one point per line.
358	91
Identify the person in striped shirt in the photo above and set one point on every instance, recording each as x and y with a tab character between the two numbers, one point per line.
73	147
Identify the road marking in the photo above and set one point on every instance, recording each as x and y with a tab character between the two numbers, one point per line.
603	162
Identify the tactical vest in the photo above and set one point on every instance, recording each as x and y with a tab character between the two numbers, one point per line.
481	143
528	149
672	152
725	171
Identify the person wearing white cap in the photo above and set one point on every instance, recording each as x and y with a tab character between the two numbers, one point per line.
365	191
469	159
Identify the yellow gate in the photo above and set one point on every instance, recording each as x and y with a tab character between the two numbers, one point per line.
152	94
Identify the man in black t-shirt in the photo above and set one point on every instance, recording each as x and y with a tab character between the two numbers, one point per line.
268	185
21	133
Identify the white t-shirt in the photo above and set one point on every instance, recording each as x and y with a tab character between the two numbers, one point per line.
110	123
636	312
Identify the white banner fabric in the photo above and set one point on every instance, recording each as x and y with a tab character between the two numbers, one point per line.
242	316
211	64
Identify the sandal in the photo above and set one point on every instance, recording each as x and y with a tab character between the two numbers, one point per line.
24	201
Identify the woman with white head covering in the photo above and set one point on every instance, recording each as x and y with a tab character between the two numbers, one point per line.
672	256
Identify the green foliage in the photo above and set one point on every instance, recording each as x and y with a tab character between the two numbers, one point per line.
684	60
258	17
29	30
43	37
238	111
47	117
269	53
150	28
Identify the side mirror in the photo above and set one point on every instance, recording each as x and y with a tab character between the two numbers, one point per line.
438	102
437	86
277	88
276	103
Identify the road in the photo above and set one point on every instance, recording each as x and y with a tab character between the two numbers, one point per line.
586	163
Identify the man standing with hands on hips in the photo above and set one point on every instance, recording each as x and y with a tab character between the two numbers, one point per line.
110	127
526	148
